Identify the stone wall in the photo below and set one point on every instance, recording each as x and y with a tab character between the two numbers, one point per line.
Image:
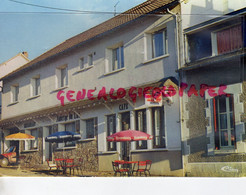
87	150
197	122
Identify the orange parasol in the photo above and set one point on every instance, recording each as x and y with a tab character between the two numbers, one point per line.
19	136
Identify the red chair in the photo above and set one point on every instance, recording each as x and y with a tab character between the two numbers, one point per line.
118	167
143	167
79	166
69	164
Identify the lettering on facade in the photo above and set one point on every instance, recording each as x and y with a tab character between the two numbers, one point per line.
123	106
146	92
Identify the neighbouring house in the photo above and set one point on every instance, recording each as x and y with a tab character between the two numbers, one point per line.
6	68
212	88
104	80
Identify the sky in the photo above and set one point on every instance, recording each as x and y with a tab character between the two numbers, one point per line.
36	29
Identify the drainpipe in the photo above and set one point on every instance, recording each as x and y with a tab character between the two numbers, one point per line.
177	34
181	114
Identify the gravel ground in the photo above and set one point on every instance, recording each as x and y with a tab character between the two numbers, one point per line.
14	171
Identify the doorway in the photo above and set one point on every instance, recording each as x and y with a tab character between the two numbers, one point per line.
125	125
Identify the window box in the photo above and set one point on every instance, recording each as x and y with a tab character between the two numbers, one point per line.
109	73
85	69
87	140
11	104
155	59
33	97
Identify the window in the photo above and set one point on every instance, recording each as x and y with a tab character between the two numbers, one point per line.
35	86
227	40
224	122
81	63
91	125
62	76
70	127
159	43
117	58
158	127
15	93
32	144
114	58
111	129
90	59
0	103
199	45
141	126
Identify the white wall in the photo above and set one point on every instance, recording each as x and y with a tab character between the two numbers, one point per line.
12	64
136	72
194	12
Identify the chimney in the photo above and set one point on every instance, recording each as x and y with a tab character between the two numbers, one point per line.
25	54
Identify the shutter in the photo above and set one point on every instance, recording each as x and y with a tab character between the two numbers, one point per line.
216	130
95	127
230	39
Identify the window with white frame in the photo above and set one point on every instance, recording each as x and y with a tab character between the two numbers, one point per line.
224	130
90	59
82	63
15	93
117	58
62	76
141	125
35	86
32	144
70	127
91	127
159	43
158	127
111	129
114	58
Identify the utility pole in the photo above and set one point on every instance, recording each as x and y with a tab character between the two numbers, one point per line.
115	8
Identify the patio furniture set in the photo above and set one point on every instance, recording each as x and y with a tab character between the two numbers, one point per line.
132	167
62	165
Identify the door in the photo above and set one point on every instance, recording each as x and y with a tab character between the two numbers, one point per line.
125	125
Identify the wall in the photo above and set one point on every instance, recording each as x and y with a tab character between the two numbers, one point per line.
195	12
137	70
201	159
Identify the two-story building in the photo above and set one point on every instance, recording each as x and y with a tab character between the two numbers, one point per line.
100	82
6	68
212	88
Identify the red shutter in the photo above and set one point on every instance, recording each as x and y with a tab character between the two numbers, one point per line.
229	40
216	130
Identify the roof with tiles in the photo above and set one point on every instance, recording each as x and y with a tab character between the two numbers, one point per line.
148	7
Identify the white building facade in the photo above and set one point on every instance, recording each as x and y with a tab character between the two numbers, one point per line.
95	84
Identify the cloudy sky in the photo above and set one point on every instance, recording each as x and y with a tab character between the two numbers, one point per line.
36	26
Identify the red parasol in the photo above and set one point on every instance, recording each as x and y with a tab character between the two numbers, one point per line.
129	135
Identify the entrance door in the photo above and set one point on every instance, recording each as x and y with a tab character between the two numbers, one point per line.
48	146
125	125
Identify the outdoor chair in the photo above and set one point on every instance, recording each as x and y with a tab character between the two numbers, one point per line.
27	161
79	166
51	166
143	167
119	168
69	164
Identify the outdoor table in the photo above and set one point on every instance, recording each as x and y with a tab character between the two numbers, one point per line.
65	164
60	163
123	167
130	165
